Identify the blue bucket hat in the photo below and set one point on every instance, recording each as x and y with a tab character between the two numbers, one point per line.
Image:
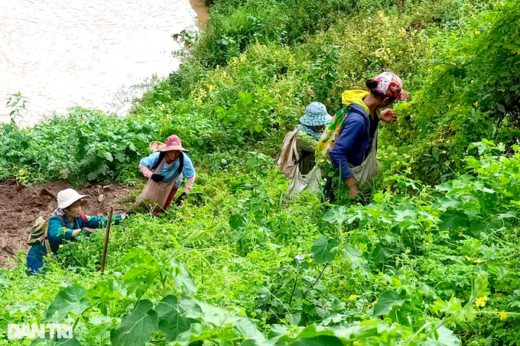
316	115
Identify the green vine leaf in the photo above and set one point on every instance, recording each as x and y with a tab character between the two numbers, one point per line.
70	300
323	249
137	327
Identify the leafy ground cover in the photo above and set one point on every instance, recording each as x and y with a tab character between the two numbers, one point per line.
430	258
413	268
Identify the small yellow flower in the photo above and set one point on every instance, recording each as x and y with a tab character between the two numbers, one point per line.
78	281
172	282
444	151
478	260
322	160
341	283
352	297
460	234
477	32
409	169
61	245
448	141
503	315
469	258
420	130
397	162
476	104
481	302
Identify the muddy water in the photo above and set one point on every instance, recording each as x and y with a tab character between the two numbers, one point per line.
91	53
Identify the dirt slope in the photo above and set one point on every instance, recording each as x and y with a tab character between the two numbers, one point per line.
20	207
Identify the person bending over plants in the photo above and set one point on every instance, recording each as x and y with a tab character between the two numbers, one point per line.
66	222
165	170
351	139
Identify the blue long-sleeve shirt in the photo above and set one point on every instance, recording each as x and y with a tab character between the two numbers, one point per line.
57	231
353	142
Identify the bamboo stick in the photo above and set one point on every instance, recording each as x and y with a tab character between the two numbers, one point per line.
107	235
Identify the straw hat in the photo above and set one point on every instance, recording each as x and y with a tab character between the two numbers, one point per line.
156	146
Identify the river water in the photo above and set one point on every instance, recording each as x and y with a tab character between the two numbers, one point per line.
91	53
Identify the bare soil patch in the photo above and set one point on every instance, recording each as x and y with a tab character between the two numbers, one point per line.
21	206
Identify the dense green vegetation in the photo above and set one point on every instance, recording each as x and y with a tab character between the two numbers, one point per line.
430	259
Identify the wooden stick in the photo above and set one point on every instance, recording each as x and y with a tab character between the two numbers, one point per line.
107	235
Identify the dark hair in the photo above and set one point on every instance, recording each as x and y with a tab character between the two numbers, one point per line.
162	155
372	86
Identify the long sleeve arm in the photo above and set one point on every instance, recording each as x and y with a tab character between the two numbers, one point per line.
57	232
349	134
99	222
147	172
189	172
147	163
189	184
306	143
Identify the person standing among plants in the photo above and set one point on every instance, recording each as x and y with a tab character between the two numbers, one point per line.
351	139
66	223
165	170
311	127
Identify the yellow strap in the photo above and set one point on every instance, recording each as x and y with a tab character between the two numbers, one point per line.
48	247
46	241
